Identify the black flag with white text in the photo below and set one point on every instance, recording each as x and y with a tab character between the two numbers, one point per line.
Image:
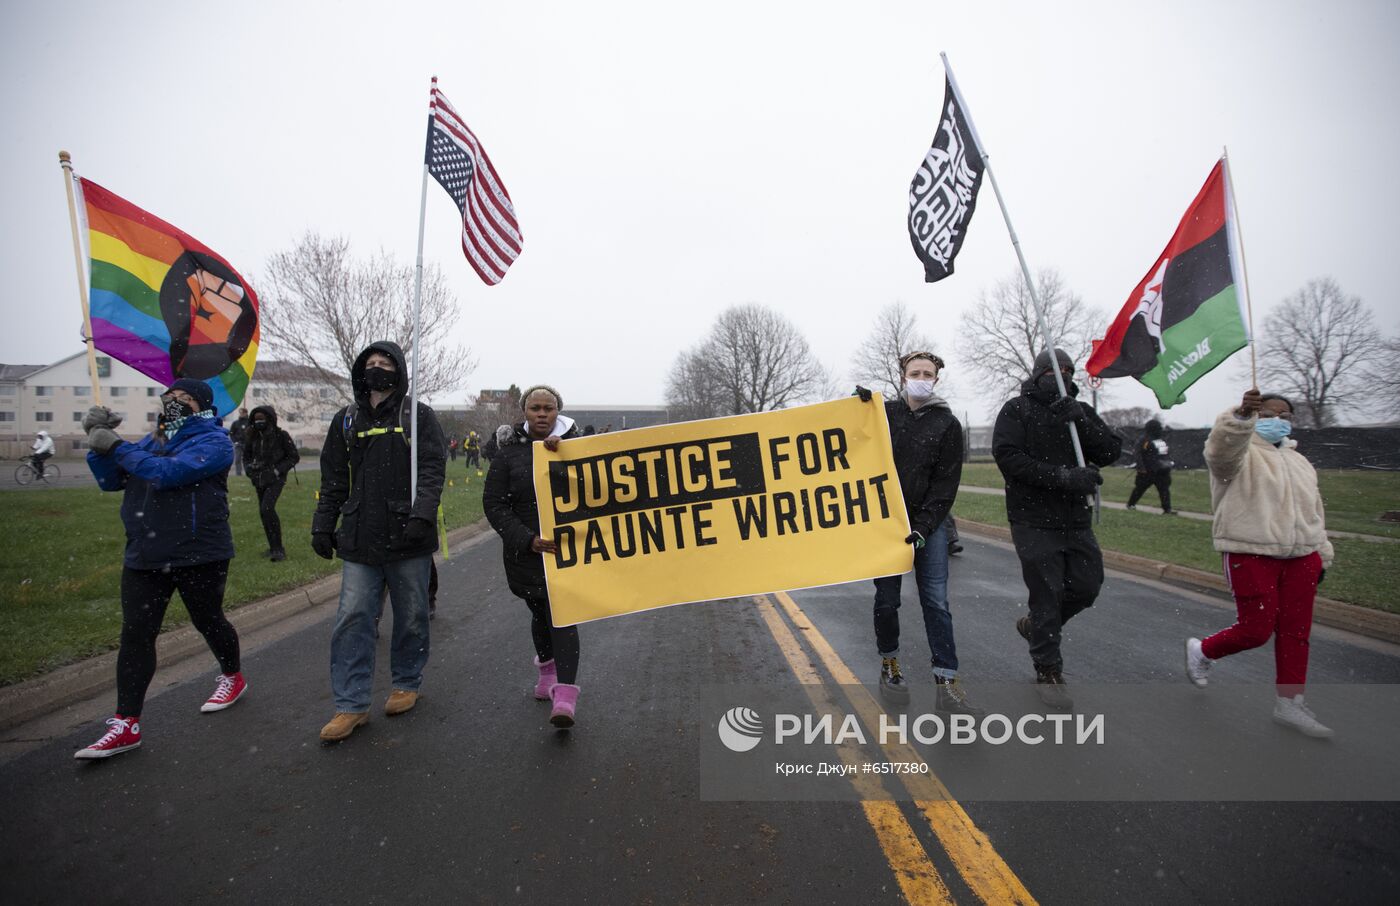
943	194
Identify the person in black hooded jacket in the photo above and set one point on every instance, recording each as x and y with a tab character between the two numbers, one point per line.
511	508
384	535
268	455
1048	504
1153	467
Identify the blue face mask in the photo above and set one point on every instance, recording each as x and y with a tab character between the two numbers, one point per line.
1273	429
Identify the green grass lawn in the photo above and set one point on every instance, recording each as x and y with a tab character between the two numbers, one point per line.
1364	573
59	597
1354	498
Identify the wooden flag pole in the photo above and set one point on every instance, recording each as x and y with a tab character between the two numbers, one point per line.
1020	256
65	160
1244	266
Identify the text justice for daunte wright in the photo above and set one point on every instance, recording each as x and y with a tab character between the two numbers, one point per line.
720	508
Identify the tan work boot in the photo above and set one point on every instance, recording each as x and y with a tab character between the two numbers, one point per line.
400	700
342	725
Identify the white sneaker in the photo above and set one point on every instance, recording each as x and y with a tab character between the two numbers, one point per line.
1197	664
1291	712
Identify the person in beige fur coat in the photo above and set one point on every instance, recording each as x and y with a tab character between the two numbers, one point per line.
1269	527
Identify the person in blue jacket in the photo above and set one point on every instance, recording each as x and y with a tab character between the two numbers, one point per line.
175	511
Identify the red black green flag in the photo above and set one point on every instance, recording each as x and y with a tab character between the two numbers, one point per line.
1184	317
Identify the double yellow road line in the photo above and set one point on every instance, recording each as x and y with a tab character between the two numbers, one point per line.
986	874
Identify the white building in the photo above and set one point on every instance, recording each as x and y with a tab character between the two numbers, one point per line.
55	397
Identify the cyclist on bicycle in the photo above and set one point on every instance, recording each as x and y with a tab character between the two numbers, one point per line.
42	450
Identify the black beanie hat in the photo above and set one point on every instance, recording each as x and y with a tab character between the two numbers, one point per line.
199	390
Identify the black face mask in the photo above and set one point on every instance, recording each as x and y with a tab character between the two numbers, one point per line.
173	409
1046	384
381	379
259	425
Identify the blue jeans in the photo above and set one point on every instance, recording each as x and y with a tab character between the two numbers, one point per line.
352	641
931	577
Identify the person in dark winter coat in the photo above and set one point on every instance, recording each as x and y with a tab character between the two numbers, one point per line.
927	442
269	453
1153	467
175	511
384	535
511	508
1048	502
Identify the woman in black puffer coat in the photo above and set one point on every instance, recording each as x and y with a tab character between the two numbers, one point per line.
269	453
509	501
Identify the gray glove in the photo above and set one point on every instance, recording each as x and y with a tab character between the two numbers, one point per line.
100	417
102	440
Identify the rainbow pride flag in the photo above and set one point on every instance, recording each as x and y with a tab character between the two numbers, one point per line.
165	303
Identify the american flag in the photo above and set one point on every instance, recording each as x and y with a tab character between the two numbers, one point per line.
490	234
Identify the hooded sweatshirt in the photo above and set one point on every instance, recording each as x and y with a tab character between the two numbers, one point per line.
1265	498
365	489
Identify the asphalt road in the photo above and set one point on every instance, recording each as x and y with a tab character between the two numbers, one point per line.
472	798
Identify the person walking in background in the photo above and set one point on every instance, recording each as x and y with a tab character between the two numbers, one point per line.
41	451
1048	505
237	432
452	447
1154	468
269	453
472	450
511	508
1269	526
927	441
175	511
385	536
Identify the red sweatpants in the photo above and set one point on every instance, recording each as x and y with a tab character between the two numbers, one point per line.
1273	597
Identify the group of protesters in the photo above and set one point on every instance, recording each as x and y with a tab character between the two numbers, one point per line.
385	529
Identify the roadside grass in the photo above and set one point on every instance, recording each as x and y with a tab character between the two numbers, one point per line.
61	569
1354	498
1364	572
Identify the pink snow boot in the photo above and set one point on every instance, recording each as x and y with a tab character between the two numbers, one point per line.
565	698
548	677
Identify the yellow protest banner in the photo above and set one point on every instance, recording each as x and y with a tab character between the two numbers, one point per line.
720	508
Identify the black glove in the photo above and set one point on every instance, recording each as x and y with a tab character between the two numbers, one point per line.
418	532
1067	409
323	543
917	540
1081	479
102	440
863	393
1320	576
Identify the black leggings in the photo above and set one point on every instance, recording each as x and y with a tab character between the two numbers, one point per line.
1145	480
558	644
267	509
145	595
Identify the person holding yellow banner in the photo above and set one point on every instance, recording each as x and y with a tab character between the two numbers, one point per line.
927	441
512	509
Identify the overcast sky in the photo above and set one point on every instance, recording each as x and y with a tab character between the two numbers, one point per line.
667	162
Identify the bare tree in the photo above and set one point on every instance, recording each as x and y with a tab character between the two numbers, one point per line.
321	307
1001	334
1316	348
693	389
876	361
753	360
1384	377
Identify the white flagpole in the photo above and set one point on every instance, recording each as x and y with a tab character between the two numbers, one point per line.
1020	256
1234	220
417	330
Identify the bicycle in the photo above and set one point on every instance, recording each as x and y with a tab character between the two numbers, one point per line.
25	472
